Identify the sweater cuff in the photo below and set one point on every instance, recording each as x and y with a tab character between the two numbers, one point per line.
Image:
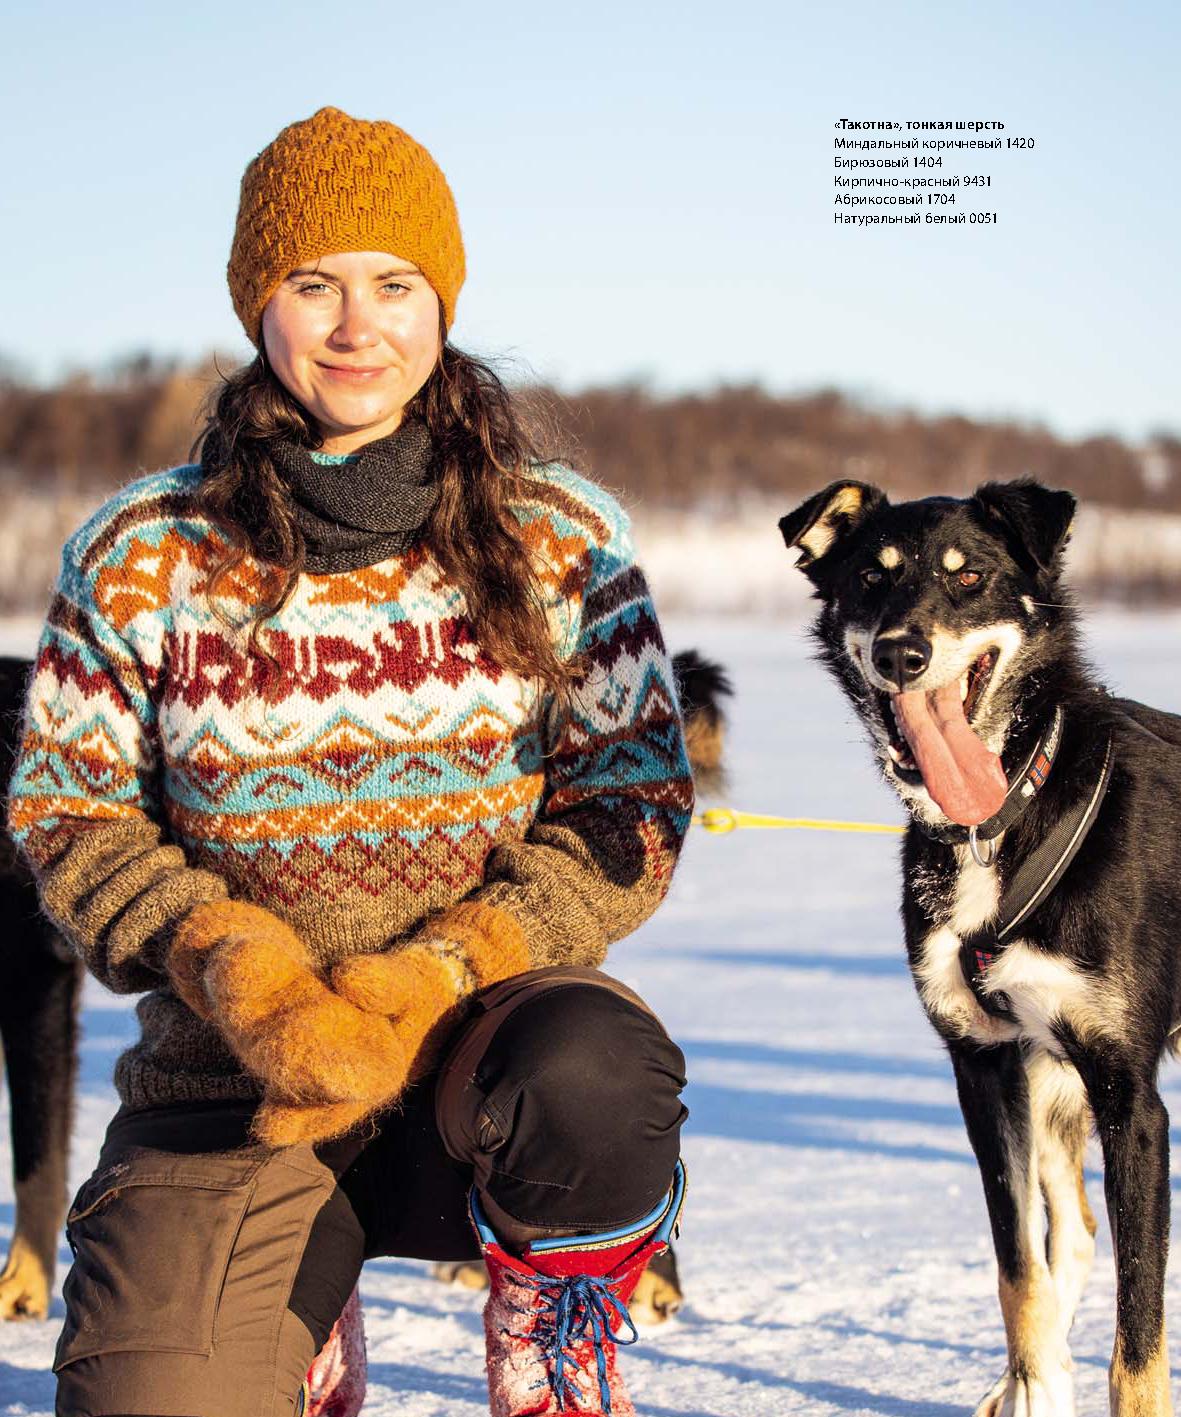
117	893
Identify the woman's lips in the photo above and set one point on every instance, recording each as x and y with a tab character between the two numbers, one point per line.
352	376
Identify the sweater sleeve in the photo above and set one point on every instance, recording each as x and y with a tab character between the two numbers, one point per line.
599	857
83	803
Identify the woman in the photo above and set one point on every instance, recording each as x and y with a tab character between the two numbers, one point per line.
354	746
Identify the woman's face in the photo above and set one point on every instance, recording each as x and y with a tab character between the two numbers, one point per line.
353	337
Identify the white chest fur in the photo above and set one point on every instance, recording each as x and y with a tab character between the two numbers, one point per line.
1043	990
941	983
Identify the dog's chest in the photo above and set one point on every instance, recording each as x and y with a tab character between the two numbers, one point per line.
1041	990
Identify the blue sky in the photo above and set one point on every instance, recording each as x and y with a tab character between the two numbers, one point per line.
645	192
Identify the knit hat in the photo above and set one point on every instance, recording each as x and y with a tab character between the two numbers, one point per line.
334	183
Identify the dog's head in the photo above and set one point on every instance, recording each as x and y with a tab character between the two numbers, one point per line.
934	613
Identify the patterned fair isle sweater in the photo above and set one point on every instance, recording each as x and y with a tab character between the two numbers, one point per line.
393	770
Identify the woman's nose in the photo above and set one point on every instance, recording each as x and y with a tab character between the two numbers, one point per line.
357	328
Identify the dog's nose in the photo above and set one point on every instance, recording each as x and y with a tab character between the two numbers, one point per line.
901	658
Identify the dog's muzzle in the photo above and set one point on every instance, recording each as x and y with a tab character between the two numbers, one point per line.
900	659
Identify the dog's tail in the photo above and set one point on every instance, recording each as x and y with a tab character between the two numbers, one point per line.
702	685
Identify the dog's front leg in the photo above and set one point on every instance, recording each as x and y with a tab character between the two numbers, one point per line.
38	1023
1061	1122
1134	1133
994	1098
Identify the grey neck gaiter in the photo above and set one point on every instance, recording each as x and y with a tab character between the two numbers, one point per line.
356	514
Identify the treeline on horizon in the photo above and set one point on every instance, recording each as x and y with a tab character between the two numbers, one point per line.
90	433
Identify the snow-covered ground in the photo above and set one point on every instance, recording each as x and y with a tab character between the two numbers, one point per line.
835	1251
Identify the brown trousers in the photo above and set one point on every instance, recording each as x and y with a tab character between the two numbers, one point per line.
208	1270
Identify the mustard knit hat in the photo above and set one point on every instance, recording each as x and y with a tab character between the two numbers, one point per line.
335	183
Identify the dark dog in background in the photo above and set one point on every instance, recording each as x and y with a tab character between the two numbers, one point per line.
1041	891
40	983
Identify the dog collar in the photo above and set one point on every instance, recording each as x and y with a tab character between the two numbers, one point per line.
1030	884
1024	786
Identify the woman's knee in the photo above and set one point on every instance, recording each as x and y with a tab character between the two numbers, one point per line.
579	1110
585	1049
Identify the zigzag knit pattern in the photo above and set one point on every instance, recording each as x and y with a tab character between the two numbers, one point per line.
391	769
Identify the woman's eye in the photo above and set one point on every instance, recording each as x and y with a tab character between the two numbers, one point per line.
872	576
969	578
393	288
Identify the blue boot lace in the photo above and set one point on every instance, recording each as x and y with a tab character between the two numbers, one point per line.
570	1310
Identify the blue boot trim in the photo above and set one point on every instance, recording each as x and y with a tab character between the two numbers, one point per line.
664	1215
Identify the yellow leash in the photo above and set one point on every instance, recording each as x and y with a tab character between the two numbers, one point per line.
724	819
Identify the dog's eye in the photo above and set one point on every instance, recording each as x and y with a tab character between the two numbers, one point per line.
969	578
872	576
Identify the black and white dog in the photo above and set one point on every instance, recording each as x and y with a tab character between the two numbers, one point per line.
1042	891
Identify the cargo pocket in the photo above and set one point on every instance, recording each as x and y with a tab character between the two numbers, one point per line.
152	1239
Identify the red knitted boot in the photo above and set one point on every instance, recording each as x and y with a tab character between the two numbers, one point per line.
555	1316
335	1384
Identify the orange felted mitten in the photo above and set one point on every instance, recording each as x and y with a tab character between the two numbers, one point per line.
415	991
418	986
246	970
195	938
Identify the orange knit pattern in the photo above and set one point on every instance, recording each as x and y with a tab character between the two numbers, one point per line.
334	183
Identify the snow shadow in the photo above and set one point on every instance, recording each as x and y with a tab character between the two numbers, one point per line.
971	1351
798	1119
391	1264
815	1059
865	966
790	1118
840	1395
467	1317
650	1411
32	1388
403	1378
406	1378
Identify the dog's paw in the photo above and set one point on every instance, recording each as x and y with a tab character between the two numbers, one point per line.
656	1299
1050	1394
24	1284
467	1274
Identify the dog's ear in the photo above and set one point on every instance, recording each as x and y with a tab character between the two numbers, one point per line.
1036	519
817	524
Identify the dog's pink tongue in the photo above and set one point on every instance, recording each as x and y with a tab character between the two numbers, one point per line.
965	779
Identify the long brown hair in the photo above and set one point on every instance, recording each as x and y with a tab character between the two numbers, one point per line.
485	446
